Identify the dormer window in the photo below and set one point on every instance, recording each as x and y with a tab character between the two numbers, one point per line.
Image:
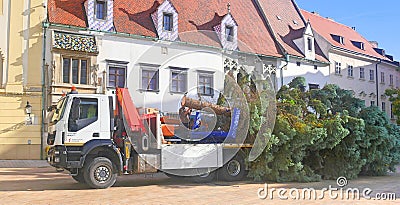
165	20
309	44
341	40
101	9
168	22
229	33
358	44
100	14
337	38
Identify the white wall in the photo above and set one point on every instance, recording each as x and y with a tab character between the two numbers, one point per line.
138	52
318	76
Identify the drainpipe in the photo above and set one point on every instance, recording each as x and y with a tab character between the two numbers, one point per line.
44	88
376	82
281	68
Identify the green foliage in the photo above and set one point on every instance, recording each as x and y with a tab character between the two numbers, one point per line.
394	97
326	133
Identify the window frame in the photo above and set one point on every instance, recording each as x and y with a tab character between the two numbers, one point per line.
171	21
205	75
117	67
70	70
338	68
309	44
371	75
383	106
382	77
231	35
391	80
362	71
104	13
181	72
150	68
350	71
372	103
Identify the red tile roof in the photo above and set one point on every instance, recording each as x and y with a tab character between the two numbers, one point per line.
328	27
287	24
134	17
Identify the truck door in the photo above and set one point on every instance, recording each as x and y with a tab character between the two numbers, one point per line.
83	121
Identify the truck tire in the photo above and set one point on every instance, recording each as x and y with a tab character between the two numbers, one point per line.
79	177
233	170
99	173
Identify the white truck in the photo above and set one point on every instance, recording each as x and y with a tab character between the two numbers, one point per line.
99	136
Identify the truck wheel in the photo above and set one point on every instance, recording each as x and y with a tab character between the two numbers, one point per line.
233	170
99	173
79	177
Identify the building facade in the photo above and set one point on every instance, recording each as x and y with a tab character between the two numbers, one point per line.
357	64
21	78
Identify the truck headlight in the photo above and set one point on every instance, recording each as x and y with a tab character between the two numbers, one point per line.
56	152
56	159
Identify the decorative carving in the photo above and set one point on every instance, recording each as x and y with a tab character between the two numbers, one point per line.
75	42
93	70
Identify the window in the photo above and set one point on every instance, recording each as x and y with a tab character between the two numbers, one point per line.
150	80
313	86
338	68
391	79
167	22
116	76
382	77
229	33
315	67
383	107
371	75
84	111
372	103
362	73
205	86
101	9
298	63
309	44
75	70
341	40
178	81
350	71
391	112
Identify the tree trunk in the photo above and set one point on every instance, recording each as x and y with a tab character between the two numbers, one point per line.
198	105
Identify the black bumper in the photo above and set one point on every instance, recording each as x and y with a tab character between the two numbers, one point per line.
60	157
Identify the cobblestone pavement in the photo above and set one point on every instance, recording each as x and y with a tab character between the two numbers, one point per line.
43	185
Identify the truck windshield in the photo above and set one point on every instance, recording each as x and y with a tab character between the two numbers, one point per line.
60	109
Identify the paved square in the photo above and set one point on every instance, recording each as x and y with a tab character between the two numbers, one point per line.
44	185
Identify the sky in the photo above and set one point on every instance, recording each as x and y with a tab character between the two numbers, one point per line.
376	20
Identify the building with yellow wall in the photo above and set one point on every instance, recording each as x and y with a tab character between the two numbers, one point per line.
21	68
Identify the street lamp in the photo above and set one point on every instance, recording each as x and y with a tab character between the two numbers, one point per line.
28	110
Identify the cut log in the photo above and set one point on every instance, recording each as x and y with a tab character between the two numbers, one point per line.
198	105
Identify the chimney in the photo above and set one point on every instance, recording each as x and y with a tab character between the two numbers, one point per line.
316	13
354	28
374	44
